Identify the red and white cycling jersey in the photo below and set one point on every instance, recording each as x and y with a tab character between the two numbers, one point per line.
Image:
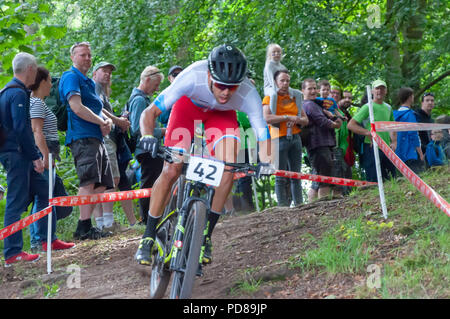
192	82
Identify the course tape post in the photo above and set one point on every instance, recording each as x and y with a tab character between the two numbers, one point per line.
430	193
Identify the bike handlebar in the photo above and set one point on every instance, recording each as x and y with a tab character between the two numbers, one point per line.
170	154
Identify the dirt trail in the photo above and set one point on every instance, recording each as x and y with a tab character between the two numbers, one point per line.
253	247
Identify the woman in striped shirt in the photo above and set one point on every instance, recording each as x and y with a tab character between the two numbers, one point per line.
44	125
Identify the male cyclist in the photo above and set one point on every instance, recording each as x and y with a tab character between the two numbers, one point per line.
209	91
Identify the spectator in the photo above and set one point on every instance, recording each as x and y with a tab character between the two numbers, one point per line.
340	167
344	157
290	146
408	143
43	123
382	112
173	72
445	143
86	128
434	153
104	216
345	105
243	201
151	167
423	115
273	64
2	192
324	90
321	138
336	93
20	157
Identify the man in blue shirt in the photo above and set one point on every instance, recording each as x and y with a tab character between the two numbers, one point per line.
86	128
19	156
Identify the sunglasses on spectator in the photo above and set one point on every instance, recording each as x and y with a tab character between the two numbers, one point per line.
175	74
428	94
223	87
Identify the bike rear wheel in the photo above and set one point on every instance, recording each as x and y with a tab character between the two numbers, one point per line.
188	259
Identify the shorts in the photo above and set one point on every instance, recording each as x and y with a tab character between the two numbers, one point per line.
321	159
111	149
186	115
91	162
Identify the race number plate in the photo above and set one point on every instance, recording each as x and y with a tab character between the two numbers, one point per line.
205	170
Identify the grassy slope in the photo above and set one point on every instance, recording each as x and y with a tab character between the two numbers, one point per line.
409	250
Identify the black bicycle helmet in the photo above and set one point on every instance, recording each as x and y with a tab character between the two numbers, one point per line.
227	65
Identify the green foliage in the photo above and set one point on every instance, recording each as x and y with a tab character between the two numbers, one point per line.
321	39
23	27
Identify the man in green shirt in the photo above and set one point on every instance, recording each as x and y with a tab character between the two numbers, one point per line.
360	124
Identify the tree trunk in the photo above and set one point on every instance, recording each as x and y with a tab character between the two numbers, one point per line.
393	75
413	30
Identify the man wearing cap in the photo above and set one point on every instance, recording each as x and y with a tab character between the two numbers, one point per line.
382	112
173	72
86	128
104	212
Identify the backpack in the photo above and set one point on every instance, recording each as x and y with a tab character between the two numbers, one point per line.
305	135
55	105
130	139
3	135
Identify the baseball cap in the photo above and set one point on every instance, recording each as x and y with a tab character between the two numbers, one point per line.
103	64
378	83
175	67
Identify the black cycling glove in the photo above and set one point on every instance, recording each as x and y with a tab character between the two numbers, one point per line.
150	144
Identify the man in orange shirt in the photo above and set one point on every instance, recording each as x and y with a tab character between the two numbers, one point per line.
287	136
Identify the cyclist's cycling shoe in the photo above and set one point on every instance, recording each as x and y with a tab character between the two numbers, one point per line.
143	254
207	254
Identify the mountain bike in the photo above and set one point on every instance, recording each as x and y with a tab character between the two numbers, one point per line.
180	237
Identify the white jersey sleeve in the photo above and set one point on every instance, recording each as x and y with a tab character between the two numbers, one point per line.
192	82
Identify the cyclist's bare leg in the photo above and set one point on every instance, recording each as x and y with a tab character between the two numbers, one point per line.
162	186
160	196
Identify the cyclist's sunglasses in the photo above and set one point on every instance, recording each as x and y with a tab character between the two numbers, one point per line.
223	87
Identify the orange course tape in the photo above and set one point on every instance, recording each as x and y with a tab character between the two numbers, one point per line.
430	193
15	227
73	201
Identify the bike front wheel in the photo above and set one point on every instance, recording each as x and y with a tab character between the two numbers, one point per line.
161	274
188	259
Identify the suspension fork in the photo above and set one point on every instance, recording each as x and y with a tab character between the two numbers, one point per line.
184	212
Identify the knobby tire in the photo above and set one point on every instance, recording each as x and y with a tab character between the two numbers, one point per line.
188	257
160	276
